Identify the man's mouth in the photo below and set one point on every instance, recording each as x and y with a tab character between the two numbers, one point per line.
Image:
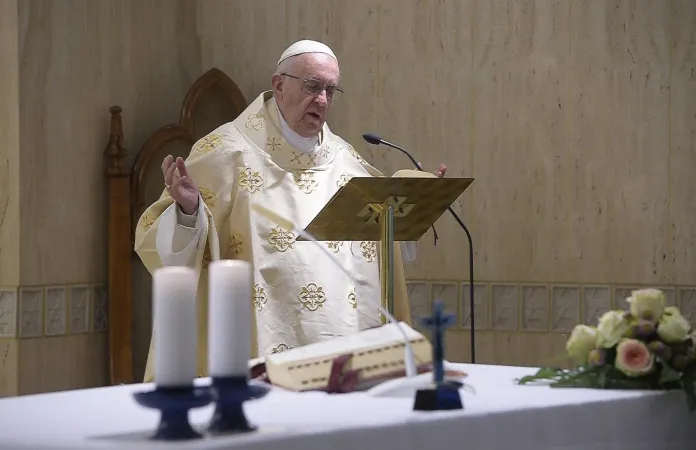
314	115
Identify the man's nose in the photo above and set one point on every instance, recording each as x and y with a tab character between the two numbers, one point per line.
322	98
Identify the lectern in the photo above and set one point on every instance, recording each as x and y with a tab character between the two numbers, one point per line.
385	209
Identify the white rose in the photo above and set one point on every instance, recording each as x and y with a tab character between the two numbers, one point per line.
673	327
647	304
582	341
612	327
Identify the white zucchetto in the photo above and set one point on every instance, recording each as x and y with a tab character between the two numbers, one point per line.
306	46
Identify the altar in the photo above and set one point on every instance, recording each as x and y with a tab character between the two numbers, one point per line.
499	415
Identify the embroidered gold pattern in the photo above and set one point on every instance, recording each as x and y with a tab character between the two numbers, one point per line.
236	244
281	239
260	297
250	180
369	250
207	258
208	196
306	181
308	160
352	299
272	144
356	155
296	158
147	221
334	246
255	121
208	143
281	348
342	181
312	297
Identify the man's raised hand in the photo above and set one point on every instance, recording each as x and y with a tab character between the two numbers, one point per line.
180	186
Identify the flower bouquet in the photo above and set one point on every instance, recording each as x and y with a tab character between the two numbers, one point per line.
646	346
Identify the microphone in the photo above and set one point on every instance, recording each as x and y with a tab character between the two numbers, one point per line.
376	140
409	357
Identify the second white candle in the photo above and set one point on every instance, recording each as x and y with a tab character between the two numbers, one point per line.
229	318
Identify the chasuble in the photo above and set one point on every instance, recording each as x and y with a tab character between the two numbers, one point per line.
298	296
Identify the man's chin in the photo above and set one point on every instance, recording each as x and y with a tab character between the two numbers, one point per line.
312	130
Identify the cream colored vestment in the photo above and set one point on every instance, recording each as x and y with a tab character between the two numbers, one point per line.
298	296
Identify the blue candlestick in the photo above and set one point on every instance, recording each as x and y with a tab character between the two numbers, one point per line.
230	394
174	405
445	395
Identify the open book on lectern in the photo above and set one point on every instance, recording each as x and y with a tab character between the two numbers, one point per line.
385	209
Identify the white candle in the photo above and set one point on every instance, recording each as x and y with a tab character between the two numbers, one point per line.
175	337
229	318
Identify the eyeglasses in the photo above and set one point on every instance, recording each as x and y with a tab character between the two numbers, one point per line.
314	87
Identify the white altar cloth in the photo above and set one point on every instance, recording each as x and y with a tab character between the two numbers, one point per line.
501	415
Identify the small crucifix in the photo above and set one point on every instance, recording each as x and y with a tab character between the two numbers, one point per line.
437	323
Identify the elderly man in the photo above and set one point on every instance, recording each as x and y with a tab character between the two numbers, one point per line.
281	154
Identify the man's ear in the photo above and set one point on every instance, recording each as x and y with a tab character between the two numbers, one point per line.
277	83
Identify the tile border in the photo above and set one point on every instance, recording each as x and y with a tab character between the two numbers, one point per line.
503	306
30	312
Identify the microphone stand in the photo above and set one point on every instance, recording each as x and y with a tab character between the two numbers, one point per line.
375	140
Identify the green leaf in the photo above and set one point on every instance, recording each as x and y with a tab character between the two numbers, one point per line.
602	376
668	373
586	378
546	373
689	385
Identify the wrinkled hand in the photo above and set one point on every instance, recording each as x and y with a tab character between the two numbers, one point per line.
180	186
439	172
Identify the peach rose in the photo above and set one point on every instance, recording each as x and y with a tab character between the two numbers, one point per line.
633	358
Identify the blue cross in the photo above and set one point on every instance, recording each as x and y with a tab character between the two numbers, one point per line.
437	323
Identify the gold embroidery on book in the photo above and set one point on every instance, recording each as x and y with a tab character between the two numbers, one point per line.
281	239
281	348
250	180
312	297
